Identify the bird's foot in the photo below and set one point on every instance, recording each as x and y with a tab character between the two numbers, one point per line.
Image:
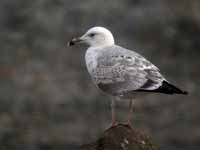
128	124
113	124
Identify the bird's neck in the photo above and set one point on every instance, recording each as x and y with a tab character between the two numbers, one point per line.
100	46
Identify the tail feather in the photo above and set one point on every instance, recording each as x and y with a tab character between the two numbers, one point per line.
168	88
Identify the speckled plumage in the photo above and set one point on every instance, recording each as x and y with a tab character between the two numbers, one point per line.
119	71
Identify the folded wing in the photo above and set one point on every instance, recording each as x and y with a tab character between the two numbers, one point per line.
120	71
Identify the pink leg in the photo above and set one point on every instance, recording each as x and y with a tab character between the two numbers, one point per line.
130	112
114	123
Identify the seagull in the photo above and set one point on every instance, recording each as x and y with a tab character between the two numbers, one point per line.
120	72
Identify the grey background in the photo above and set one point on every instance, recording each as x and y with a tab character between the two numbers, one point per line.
47	100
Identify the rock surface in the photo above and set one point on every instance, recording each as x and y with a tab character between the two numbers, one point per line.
121	137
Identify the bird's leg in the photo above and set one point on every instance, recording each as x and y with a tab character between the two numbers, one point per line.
130	112
114	123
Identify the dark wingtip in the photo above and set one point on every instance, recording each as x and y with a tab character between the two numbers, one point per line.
169	88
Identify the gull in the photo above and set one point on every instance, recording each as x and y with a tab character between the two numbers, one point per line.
120	72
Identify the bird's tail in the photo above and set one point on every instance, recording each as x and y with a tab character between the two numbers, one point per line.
168	88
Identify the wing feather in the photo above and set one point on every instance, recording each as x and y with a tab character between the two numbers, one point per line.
120	70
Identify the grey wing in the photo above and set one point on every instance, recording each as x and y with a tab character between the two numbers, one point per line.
120	71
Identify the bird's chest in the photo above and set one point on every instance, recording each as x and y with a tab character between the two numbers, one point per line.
91	60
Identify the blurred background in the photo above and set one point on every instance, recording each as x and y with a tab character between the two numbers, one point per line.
47	100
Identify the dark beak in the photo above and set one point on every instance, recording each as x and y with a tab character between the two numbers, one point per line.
74	41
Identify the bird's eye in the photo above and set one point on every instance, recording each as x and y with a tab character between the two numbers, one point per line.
92	34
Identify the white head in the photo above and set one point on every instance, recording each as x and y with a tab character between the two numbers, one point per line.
95	37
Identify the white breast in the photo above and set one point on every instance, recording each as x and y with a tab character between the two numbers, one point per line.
91	59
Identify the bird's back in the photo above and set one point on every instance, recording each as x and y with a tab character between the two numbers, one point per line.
117	70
